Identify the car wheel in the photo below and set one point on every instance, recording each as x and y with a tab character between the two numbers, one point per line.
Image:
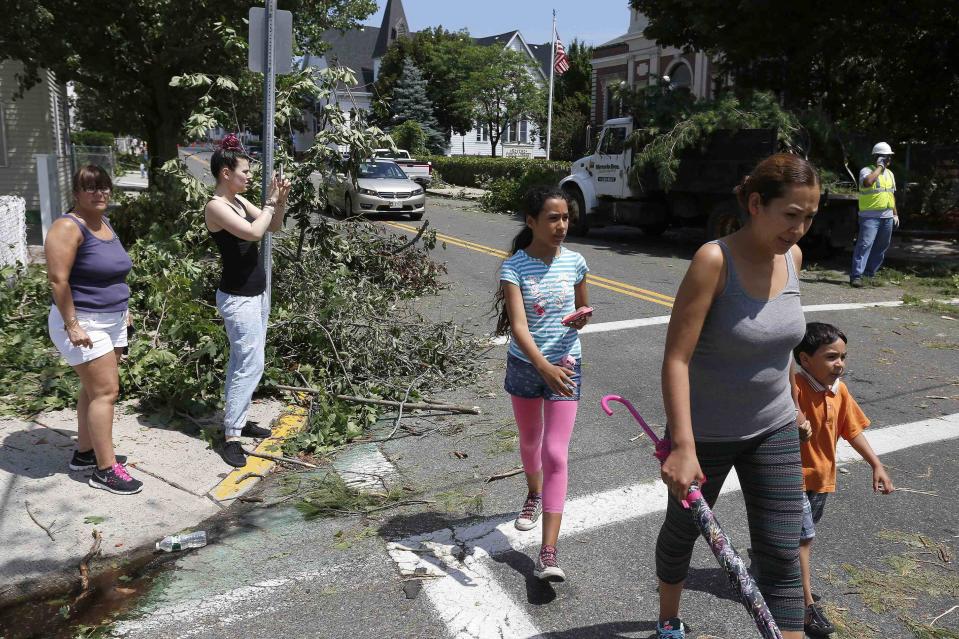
416	216
348	205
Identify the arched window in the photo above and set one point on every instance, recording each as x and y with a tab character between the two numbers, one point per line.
680	76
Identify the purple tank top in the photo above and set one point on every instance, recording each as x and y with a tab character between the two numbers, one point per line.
99	273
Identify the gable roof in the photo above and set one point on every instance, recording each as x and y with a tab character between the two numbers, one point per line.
539	52
353	49
392	16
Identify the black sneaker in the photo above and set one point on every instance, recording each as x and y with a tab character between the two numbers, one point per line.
232	453
88	460
115	480
254	430
816	623
856	282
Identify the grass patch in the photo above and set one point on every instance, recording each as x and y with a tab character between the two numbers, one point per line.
946	346
935	305
344	539
453	501
329	496
925	573
504	441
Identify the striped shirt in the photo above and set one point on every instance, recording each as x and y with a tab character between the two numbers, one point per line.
548	297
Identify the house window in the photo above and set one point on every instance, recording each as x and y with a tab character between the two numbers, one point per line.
612	103
3	135
524	131
482	132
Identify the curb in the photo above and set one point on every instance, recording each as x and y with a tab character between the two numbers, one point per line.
230	488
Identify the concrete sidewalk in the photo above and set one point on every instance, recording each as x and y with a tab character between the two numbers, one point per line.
184	483
131	181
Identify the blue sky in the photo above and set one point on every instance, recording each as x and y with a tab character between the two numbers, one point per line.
593	21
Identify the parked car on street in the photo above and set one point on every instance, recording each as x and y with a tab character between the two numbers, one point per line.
380	186
417	170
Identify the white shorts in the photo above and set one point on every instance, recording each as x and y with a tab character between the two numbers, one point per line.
106	330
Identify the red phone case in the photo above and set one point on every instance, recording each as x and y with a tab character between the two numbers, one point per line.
575	315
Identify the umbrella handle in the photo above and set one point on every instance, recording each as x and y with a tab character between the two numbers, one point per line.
663	446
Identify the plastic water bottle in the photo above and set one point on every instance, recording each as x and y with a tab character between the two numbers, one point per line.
174	543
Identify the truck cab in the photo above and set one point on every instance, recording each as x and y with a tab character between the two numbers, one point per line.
602	192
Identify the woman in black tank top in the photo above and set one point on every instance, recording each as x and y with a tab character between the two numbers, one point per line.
236	226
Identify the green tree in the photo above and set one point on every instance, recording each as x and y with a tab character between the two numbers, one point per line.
501	89
410	136
864	67
571	105
411	103
442	58
127	53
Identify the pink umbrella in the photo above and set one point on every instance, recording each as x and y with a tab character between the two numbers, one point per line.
729	560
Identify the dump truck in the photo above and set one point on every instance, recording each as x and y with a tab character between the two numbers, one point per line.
601	192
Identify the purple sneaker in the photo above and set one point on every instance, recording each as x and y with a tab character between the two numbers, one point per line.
529	514
547	568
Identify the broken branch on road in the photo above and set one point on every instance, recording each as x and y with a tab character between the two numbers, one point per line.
424	405
46	529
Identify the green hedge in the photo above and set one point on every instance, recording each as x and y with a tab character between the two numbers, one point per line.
478	172
92	138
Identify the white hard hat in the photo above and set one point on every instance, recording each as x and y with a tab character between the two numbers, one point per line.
882	149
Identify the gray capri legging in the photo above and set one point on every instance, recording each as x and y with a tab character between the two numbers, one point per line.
770	472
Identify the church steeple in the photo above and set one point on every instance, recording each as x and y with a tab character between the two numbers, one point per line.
394	26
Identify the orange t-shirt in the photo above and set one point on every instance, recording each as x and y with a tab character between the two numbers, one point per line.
831	416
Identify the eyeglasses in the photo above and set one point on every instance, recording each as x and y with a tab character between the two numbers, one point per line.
91	190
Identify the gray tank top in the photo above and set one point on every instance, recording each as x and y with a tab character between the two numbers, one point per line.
739	372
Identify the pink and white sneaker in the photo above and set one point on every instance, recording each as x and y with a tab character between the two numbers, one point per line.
547	568
116	480
529	515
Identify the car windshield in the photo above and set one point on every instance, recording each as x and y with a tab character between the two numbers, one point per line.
381	170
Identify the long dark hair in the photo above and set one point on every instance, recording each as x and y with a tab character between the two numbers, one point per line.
534	201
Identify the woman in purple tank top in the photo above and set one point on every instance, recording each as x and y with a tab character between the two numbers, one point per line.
87	268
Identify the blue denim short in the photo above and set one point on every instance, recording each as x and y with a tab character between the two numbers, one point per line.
813	504
523	380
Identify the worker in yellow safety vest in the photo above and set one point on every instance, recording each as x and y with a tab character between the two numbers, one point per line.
877	215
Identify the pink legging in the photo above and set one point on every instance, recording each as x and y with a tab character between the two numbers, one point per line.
545	428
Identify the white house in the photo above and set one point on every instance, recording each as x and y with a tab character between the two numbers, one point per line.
638	61
362	50
521	138
36	123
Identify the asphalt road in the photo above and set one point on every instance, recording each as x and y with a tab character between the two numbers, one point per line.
273	574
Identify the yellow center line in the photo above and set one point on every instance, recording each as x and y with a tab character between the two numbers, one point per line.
594	280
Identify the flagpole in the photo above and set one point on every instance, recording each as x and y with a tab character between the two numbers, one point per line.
552	70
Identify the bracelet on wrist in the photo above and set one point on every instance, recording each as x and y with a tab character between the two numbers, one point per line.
71	323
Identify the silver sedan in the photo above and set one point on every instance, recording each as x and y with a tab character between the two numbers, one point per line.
381	186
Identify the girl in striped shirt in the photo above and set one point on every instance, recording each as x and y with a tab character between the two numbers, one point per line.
540	284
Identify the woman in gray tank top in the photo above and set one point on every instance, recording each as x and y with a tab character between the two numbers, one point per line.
727	388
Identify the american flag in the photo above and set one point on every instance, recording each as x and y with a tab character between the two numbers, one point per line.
560	61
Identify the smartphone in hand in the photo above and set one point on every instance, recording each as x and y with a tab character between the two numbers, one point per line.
575	315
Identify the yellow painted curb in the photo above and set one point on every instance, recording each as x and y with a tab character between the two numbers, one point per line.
289	424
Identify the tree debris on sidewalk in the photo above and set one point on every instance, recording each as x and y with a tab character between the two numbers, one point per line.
46	529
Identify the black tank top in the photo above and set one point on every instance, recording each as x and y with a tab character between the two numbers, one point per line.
242	272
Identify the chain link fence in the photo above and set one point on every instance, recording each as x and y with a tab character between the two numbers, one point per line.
103	156
13	230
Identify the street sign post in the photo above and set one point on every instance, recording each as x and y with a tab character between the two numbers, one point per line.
271	52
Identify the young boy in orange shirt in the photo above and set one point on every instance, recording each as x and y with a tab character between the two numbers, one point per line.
831	413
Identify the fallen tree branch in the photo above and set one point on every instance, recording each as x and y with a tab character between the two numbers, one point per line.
933	622
279	458
246	476
508	473
415	239
425	405
85	566
395	504
45	528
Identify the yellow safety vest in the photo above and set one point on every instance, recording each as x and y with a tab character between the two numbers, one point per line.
880	196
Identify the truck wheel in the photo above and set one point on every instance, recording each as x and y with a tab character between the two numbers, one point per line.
654	230
725	218
578	221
